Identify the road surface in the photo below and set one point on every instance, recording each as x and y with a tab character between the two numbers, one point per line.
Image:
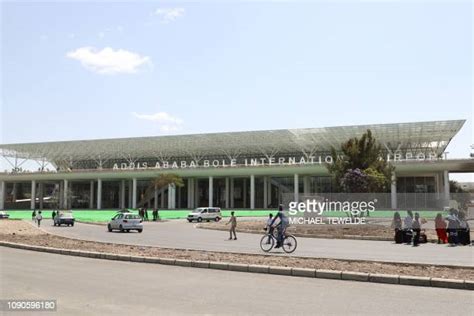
181	234
84	286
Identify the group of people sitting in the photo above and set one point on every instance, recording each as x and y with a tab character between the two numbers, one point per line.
455	232
143	213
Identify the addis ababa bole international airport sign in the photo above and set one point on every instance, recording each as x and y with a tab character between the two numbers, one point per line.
257	162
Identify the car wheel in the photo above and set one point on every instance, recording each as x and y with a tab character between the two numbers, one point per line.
72	224
217	219
128	230
121	228
199	219
190	220
109	228
139	230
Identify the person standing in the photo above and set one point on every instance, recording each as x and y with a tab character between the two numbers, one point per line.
53	214
33	215
154	214
397	226
145	214
39	217
440	226
233	224
416	227
407	228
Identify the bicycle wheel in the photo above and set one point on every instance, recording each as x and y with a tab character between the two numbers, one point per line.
267	242
289	244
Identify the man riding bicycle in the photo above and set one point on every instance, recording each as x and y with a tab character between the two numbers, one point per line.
281	226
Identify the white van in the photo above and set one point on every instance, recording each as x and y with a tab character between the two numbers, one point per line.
205	214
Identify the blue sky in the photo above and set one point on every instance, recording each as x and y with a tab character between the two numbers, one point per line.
83	70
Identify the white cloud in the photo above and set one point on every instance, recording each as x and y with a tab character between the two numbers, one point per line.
169	14
167	122
109	61
101	34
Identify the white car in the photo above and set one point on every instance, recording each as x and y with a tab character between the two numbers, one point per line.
205	214
4	214
125	222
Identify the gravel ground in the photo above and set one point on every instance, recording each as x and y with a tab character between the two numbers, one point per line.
22	232
371	230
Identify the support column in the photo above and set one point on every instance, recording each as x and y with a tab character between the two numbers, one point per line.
65	192
446	186
162	199
155	202
393	191
265	192
227	204
297	188
130	189
252	192
269	190
211	190
41	194
2	194
190	192
231	193
33	195
3	189
306	186
134	193
171	196
99	194
245	192
122	194
91	195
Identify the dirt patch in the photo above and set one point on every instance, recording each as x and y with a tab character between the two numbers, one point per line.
21	232
366	231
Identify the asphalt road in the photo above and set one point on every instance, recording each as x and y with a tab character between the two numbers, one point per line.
84	286
181	234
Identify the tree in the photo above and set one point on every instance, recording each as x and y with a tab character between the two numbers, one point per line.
360	166
162	181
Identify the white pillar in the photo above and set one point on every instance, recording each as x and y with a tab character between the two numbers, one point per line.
162	198
231	193
134	193
306	186
269	194
33	195
446	186
41	194
171	196
211	190
252	192
99	194
265	192
155	202
65	198
227	187
130	189
245	192
91	195
122	194
190	192
393	191
297	188
2	195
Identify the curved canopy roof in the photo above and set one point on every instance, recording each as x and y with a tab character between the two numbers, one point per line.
421	136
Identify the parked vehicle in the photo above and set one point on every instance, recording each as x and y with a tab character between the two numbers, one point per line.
4	215
125	222
64	218
205	214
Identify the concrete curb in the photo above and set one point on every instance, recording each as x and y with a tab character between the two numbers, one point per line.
286	271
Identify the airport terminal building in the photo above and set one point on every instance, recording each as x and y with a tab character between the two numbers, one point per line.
241	170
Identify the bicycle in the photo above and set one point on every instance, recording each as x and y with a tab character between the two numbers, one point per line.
268	242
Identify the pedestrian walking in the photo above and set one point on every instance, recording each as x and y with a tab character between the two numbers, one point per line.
416	227
145	214
233	224
33	215
39	217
